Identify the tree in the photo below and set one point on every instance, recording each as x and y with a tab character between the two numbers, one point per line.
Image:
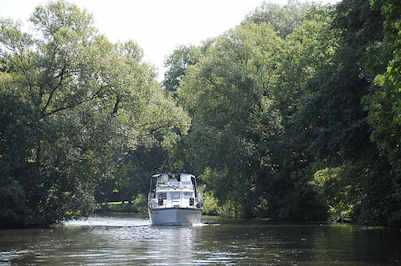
227	95
179	60
87	103
282	19
338	120
306	51
384	104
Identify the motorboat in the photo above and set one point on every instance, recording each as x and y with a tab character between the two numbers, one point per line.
174	199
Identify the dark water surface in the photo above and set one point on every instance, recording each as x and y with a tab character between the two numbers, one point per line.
127	240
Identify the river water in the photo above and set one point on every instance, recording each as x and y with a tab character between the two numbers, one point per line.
126	240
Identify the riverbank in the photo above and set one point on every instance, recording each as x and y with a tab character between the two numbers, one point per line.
121	207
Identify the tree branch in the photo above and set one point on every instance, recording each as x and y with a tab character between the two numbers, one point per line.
115	109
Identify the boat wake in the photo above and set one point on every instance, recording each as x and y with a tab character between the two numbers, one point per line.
200	225
109	222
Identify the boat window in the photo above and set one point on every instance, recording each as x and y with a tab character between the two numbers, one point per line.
162	195
173	181
188	194
175	195
164	179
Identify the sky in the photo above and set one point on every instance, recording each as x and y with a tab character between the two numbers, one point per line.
158	26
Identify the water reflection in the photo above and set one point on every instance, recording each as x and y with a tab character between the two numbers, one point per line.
133	241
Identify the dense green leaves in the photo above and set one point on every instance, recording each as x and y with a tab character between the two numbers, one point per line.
228	98
285	108
282	19
385	104
73	106
177	63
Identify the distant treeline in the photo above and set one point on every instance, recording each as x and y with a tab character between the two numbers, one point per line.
295	114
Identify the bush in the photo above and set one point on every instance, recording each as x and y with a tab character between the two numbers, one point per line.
209	203
139	204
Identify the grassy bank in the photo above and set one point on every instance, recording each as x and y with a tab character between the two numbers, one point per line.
138	205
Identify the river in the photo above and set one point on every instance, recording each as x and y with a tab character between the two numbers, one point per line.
127	240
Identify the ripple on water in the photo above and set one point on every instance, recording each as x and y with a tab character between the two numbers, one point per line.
9	256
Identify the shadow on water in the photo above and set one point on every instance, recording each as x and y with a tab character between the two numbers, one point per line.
129	240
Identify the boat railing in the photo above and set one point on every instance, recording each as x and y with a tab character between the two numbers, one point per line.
180	185
181	202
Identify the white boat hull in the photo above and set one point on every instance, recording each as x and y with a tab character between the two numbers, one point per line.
175	216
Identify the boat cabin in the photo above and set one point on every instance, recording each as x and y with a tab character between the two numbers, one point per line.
173	191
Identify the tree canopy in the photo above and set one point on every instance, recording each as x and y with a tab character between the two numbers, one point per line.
73	105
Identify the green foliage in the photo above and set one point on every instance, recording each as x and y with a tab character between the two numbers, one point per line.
280	109
282	19
229	209
239	94
140	203
210	204
73	105
306	51
227	97
384	105
177	63
358	182
338	194
17	139
137	205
